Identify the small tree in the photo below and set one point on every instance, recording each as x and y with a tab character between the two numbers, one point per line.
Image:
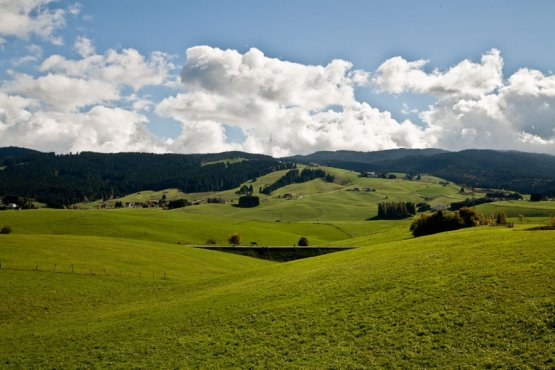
303	242
501	218
6	230
234	239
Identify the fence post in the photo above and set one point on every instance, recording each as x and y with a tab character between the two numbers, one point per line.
72	268
36	267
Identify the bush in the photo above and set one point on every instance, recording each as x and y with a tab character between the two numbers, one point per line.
303	242
178	203
234	239
6	230
249	201
501	219
440	221
211	241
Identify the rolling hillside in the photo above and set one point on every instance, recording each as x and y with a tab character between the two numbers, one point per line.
518	171
438	301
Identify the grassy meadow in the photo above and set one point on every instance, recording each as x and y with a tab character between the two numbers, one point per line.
98	288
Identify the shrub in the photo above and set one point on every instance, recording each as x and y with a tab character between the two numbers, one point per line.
248	201
501	219
470	217
178	203
6	230
303	242
234	239
210	241
439	221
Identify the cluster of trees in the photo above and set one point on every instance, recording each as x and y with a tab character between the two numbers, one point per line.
245	190
537	197
21	202
294	176
178	203
248	201
61	180
440	221
395	210
491	196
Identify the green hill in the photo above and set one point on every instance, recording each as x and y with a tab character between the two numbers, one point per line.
98	288
471	298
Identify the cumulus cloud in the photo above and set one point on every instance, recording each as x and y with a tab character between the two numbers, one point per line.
280	106
476	107
24	18
78	105
70	85
84	46
97	102
125	67
101	128
397	75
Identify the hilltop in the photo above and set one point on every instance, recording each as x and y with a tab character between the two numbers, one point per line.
61	180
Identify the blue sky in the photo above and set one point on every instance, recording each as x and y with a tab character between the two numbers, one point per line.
309	33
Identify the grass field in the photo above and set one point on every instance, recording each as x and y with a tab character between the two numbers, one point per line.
471	298
98	288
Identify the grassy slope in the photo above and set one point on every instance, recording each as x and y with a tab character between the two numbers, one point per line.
520	207
481	297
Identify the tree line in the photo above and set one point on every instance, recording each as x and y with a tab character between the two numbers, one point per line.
294	176
61	180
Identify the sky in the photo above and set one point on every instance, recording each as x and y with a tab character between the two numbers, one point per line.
276	77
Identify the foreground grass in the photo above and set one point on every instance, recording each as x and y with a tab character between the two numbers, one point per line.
472	298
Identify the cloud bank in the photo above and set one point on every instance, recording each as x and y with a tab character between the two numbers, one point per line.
476	107
282	107
83	104
97	101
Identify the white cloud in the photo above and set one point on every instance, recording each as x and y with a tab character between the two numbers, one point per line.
84	47
70	85
64	93
98	129
397	75
282	107
23	18
127	67
83	104
476	107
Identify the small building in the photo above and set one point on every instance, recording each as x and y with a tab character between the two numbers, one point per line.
371	174
12	206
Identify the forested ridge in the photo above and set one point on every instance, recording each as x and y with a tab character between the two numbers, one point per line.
60	180
511	170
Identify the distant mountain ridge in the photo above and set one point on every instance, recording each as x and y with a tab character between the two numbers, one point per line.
70	178
349	156
60	180
512	170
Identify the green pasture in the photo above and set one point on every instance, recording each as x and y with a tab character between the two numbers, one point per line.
472	298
